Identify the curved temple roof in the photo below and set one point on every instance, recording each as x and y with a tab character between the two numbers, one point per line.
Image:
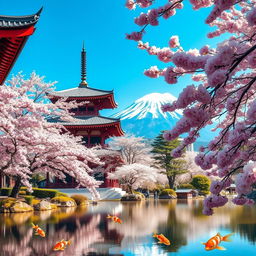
17	22
81	92
86	93
86	120
14	32
91	121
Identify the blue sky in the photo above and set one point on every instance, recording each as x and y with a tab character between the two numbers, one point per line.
112	61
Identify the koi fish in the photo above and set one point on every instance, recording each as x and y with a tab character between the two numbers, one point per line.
61	246
162	239
115	219
38	231
213	243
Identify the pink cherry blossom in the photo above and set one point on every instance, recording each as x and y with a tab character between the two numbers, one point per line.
174	42
251	17
170	76
165	54
136	36
152	72
142	19
205	50
130	4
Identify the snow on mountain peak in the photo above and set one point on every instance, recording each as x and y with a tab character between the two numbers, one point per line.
149	106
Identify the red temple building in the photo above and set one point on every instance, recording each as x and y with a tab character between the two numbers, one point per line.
88	123
14	33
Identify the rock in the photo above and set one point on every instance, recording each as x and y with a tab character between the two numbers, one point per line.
19	206
62	201
43	205
13	205
132	197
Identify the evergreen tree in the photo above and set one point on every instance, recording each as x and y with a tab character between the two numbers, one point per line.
162	154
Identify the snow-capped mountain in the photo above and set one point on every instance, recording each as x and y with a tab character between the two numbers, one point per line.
145	118
149	106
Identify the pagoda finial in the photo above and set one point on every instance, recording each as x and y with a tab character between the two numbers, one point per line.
83	68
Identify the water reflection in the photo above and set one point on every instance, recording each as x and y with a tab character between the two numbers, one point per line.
92	234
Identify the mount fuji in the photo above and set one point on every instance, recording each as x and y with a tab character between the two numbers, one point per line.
145	118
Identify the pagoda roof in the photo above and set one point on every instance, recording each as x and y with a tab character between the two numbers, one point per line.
14	32
81	92
17	22
86	120
91	122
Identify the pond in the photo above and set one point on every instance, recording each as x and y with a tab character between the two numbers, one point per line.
91	233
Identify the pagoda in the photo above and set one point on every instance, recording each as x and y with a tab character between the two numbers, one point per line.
88	123
14	33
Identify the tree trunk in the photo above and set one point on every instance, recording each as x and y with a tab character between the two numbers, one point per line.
16	188
171	182
129	189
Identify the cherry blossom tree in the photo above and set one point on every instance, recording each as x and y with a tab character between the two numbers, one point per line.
132	149
30	144
136	175
111	159
193	168
223	92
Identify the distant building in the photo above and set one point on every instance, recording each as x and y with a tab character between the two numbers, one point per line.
231	189
14	33
186	193
88	123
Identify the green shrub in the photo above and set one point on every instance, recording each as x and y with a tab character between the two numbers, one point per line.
201	182
6	191
22	192
37	192
186	186
139	193
29	199
44	193
168	191
62	199
80	199
160	187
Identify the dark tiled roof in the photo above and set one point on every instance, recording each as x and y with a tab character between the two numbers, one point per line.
16	22
87	120
81	92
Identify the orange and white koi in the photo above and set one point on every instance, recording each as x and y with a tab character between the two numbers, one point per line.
162	239
115	219
213	243
61	246
38	231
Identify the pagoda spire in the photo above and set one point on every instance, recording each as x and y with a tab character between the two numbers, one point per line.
83	68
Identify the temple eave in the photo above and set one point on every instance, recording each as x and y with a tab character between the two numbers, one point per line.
110	102
116	126
9	55
14	32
